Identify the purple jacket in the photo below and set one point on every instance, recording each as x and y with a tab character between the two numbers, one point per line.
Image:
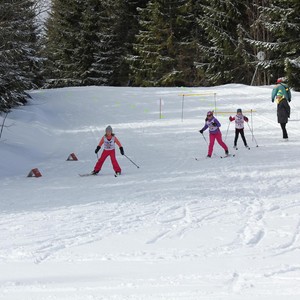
213	125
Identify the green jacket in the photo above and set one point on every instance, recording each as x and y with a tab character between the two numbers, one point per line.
285	91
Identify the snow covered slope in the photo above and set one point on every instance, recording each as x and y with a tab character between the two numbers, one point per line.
176	228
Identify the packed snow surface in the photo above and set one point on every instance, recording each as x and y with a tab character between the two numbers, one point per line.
175	228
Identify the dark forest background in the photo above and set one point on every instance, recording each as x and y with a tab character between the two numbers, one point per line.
146	43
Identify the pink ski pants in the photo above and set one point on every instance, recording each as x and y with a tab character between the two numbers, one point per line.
215	136
104	155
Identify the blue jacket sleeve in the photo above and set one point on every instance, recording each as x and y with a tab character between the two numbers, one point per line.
274	93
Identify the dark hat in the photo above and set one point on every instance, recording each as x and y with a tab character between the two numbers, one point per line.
108	128
239	110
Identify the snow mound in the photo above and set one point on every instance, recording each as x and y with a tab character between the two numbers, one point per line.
176	228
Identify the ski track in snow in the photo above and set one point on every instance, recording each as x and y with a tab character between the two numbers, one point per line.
174	229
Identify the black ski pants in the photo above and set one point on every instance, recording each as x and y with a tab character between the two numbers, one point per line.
241	132
284	132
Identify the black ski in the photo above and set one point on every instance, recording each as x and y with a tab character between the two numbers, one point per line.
86	175
236	148
90	174
227	155
199	159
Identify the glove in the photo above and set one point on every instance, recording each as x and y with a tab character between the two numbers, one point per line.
246	119
201	131
230	118
206	119
122	151
214	124
97	149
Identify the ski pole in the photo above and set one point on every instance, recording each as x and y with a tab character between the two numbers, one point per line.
204	138
227	130
207	144
131	161
253	138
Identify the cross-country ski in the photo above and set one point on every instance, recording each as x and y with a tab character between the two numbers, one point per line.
228	155
86	174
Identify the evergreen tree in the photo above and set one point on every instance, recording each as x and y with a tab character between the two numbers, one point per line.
88	41
227	58
109	39
64	46
129	29
289	38
109	30
281	22
165	45
95	23
259	33
18	52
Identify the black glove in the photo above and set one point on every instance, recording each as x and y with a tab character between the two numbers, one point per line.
121	150
97	149
214	124
201	131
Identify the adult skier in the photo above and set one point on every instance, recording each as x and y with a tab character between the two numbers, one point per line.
284	88
214	133
239	127
108	140
283	112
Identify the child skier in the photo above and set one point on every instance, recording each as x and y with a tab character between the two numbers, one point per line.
239	127
108	140
214	133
